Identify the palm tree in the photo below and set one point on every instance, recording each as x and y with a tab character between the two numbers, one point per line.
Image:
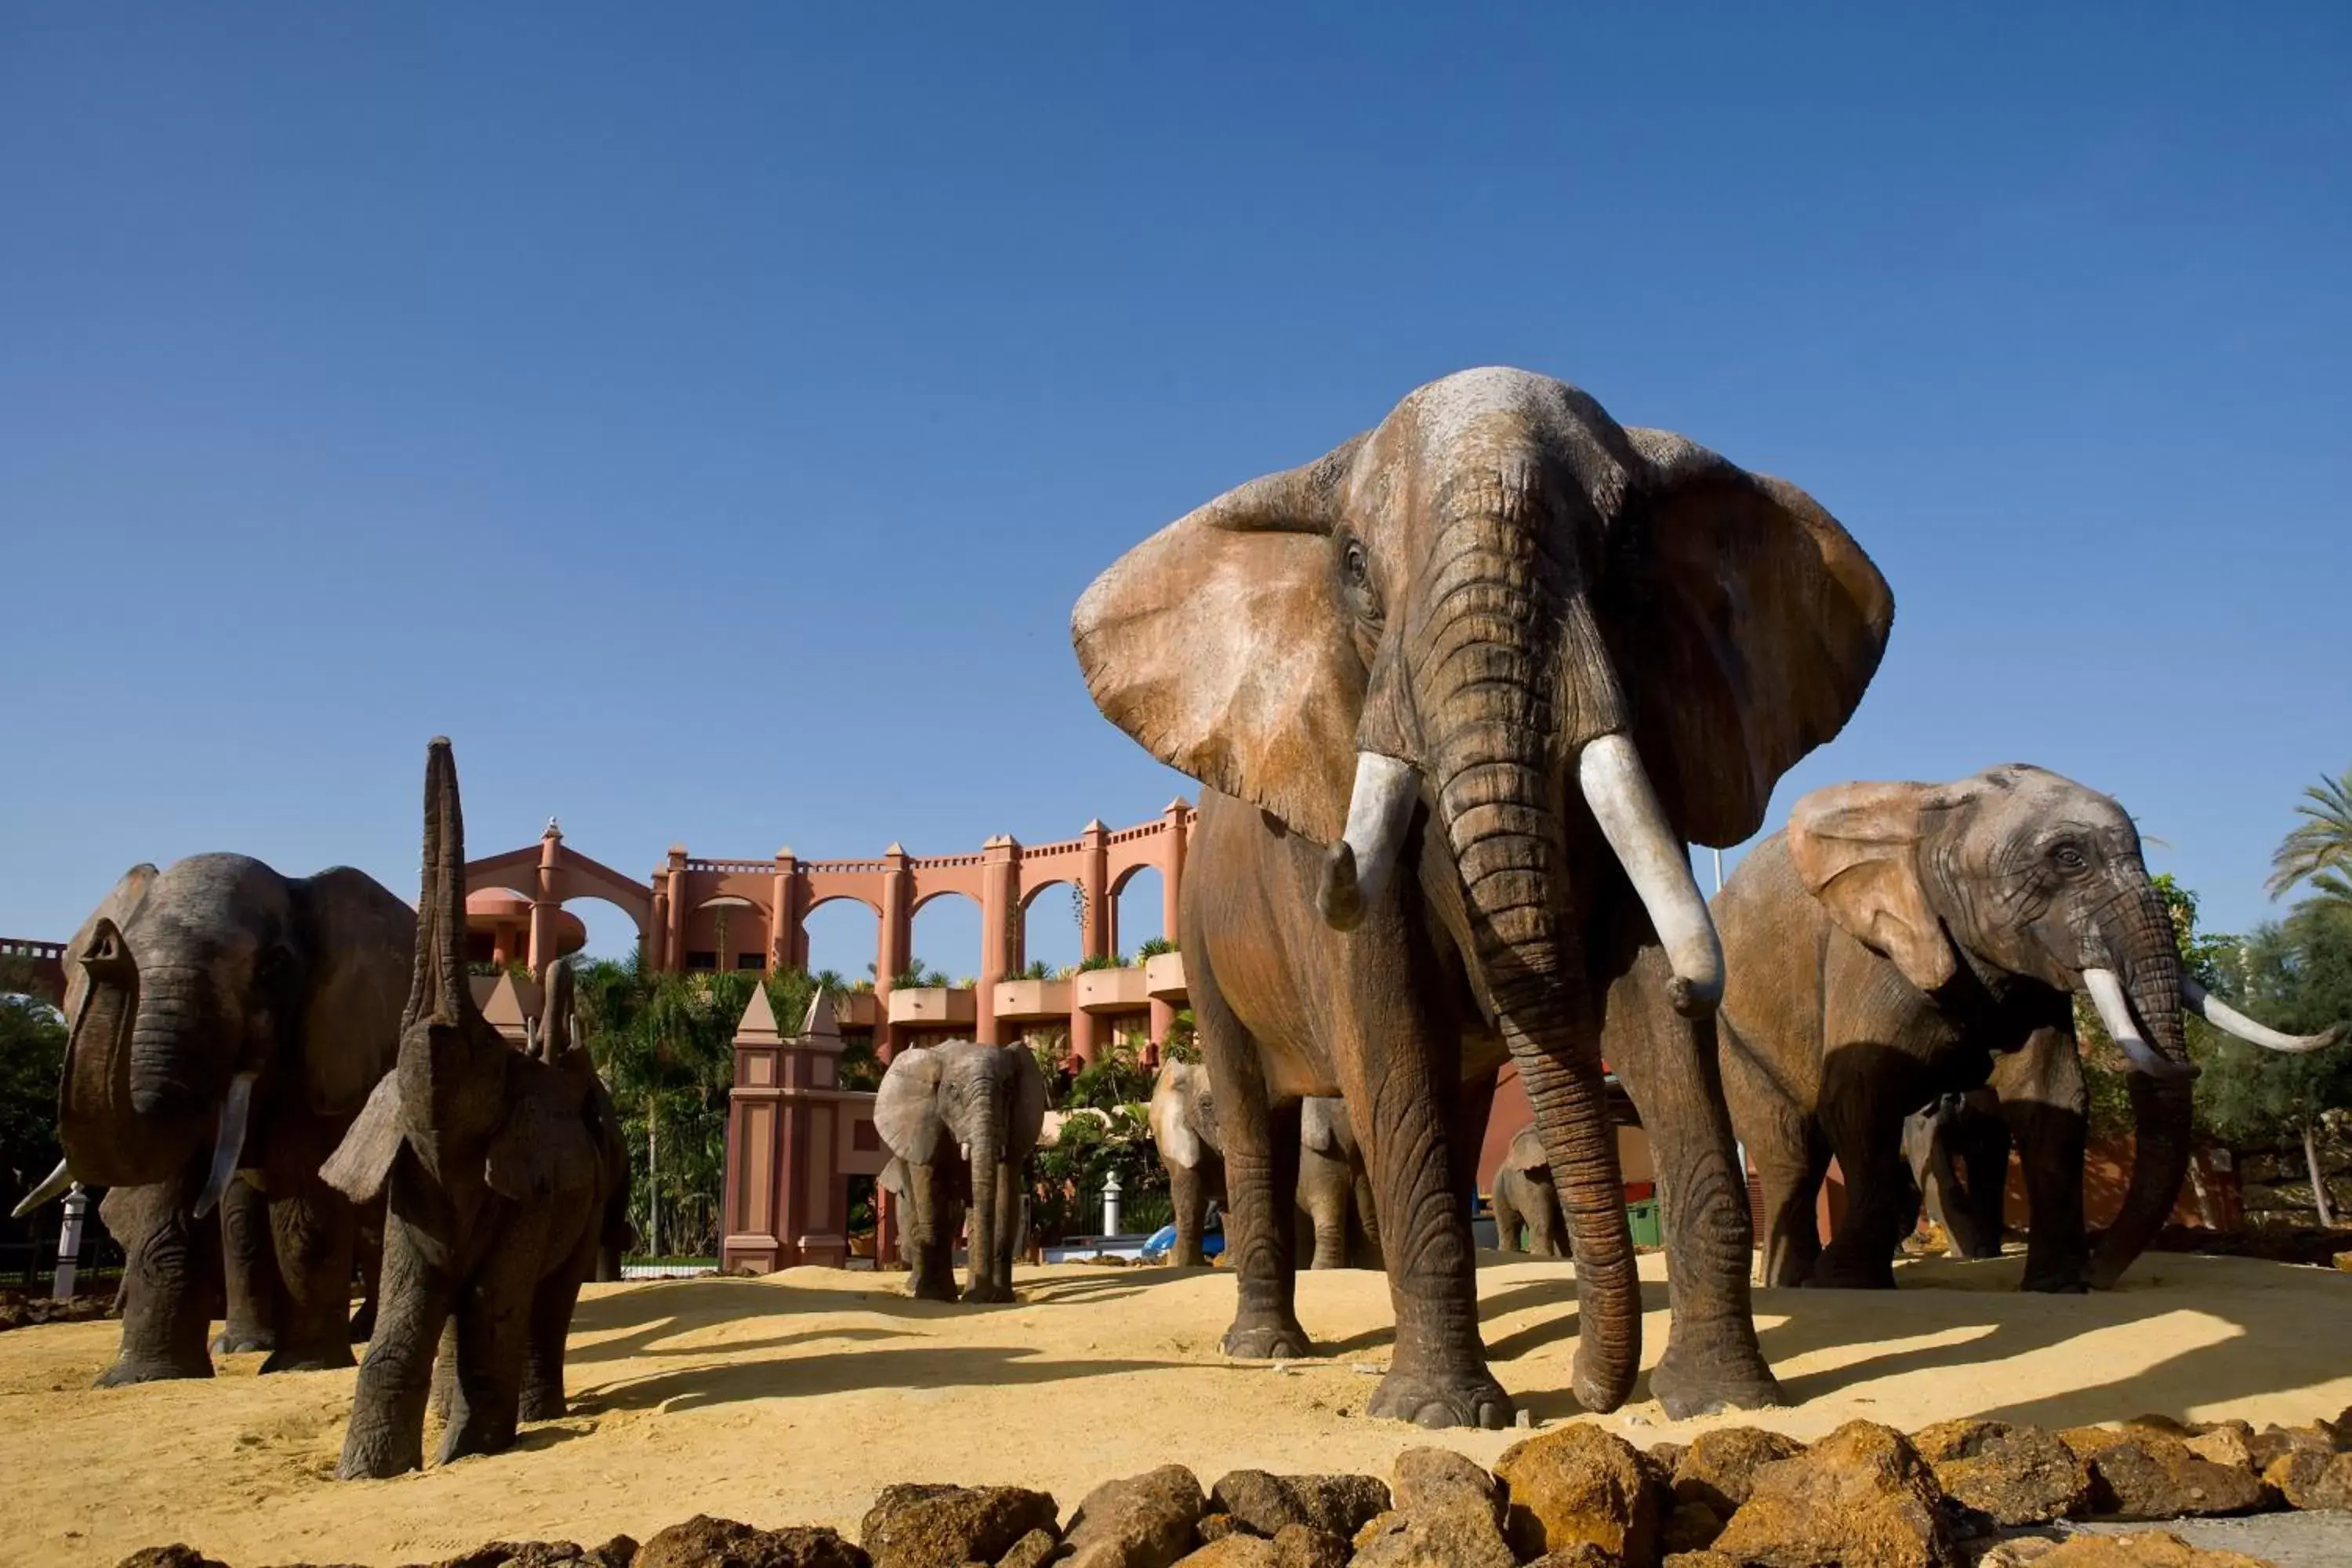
2319	850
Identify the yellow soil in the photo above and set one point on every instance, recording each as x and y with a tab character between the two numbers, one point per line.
795	1398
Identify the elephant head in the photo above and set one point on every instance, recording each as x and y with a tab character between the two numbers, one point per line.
194	994
2019	873
1183	1114
990	1099
1566	647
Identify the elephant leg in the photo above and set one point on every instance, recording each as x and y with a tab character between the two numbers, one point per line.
551	1306
1984	1193
931	1233
248	1270
444	1372
172	1271
312	1229
2047	1108
1865	1130
1187	1196
1508	1218
1007	1230
1364	1240
386	1434
1325	1185
1668	1064
1261	1182
494	1341
1549	1225
368	1241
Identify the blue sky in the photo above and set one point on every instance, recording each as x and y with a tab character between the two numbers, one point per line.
789	372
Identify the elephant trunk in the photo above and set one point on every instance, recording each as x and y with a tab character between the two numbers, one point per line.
1514	659
987	1154
174	1022
2138	930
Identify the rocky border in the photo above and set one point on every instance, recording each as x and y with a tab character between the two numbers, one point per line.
1960	1494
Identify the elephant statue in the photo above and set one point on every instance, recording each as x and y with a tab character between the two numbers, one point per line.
1893	944
1526	1201
497	1167
961	1118
1957	1150
1337	1225
226	1024
1459	694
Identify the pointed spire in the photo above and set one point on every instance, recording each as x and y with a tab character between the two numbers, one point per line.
438	987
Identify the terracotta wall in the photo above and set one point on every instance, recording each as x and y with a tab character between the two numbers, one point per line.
2106	1176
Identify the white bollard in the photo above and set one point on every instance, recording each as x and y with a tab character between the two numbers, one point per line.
1111	1191
69	1243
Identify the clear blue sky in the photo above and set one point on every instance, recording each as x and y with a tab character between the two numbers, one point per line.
791	370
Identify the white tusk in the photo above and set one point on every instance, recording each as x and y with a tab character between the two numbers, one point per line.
58	1182
2230	1021
1379	808
230	1142
2107	996
1610	774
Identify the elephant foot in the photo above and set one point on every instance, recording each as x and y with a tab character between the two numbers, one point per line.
1470	1399
2071	1284
308	1358
1276	1340
1834	1273
927	1290
540	1403
243	1342
128	1370
1708	1384
377	1460
989	1294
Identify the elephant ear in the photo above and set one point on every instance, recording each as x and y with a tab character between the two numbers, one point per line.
893	1179
1171	1128
544	1147
907	1106
1759	623
1527	1154
1028	1117
1219	644
360	1162
357	939
96	1085
1857	847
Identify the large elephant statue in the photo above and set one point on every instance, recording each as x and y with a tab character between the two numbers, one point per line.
496	1166
1339	1228
1459	694
224	1024
1898	939
1528	1215
961	1120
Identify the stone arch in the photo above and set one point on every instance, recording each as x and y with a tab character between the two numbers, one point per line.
1138	916
843	941
728	930
950	940
1048	933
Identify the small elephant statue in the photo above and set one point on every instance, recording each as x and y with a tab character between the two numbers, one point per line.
961	1119
1336	1223
1957	1149
497	1166
226	1023
1526	1200
1901	941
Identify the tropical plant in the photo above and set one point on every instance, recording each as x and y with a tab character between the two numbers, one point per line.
917	976
1103	960
32	1059
2319	850
1103	1131
1035	969
1153	947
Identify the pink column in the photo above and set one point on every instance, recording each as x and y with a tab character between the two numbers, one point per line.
896	936
784	925
655	937
997	911
547	901
676	873
1171	905
1094	932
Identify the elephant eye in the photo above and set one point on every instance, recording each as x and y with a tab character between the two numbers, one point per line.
1360	568
2068	857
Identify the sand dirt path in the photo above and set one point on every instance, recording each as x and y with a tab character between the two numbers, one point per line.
795	1398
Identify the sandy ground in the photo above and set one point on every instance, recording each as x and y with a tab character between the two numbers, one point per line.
795	1398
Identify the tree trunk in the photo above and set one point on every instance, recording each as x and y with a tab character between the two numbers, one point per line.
2318	1184
652	1186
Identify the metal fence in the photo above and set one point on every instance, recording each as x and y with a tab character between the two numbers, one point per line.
33	1265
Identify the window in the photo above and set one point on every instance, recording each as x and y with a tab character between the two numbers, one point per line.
705	960
865	1139
750	961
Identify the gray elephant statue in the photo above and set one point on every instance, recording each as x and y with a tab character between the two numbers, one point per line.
497	1167
1897	941
1459	695
224	1024
1337	1225
1957	1149
961	1118
1526	1203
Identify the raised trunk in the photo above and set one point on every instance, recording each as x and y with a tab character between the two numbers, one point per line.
2137	931
1507	662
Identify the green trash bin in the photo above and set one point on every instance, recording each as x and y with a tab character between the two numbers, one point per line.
1642	1215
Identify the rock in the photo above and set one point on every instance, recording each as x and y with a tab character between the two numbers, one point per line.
1263	1504
2311	1480
2151	1549
1690	1527
1235	1550
179	1554
2143	1473
1583	1555
1439	1480
2016	1475
703	1542
920	1526
1031	1551
1305	1546
1445	1538
1665	1458
2265	1447
1216	1527
1861	1498
1700	1560
1581	1484
618	1553
1142	1521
